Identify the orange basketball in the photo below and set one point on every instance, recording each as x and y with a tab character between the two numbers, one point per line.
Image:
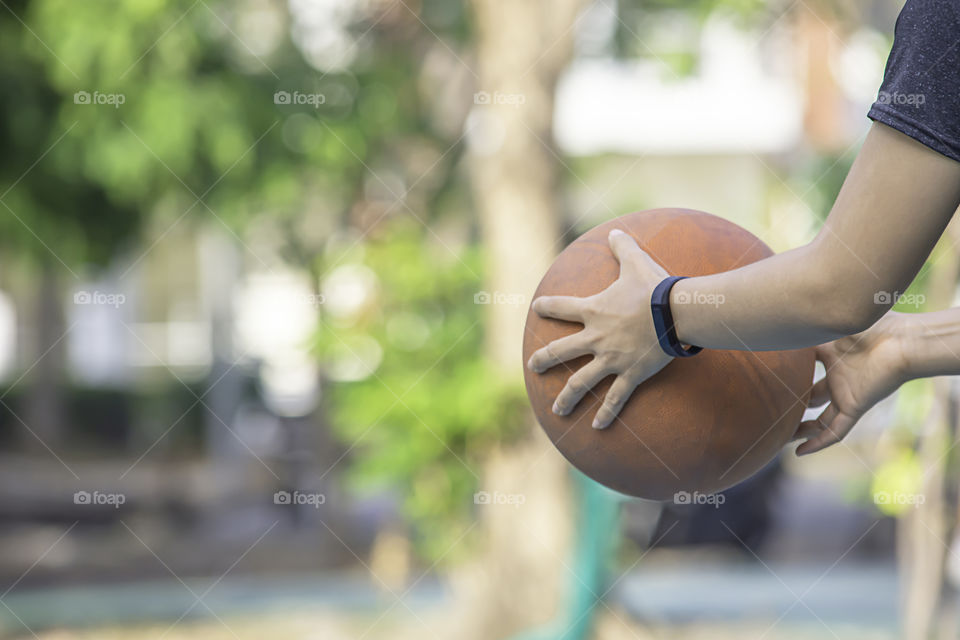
701	424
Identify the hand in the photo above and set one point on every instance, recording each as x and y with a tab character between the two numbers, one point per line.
617	329
862	370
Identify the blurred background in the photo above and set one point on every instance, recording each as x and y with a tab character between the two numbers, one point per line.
264	266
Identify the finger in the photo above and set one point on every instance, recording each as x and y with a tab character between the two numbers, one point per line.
835	431
807	430
560	307
833	434
827	416
623	245
617	396
820	394
813	428
584	379
627	251
559	351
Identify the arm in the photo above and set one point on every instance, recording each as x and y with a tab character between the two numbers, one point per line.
865	368
894	204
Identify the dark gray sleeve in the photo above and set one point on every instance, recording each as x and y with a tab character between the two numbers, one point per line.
920	94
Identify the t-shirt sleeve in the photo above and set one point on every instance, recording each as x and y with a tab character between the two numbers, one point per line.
920	94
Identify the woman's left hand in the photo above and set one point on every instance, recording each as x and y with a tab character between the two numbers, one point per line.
862	370
617	330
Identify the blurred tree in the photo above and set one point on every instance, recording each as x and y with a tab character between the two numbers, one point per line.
52	218
924	531
521	48
426	408
164	112
171	111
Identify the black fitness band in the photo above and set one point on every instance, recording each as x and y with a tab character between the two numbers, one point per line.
663	320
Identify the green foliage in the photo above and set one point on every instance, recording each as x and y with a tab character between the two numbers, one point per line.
669	32
421	422
49	208
186	115
197	118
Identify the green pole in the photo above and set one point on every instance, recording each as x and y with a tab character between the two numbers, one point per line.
597	535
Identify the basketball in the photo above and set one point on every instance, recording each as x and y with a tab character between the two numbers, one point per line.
701	424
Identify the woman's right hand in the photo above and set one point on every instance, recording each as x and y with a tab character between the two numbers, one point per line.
862	370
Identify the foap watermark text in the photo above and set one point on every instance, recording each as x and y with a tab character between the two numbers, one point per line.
299	498
910	99
699	297
686	497
497	497
112	99
498	297
915	300
298	97
899	498
99	498
99	298
510	99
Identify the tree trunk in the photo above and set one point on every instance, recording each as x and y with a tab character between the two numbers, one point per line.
522	46
44	413
925	530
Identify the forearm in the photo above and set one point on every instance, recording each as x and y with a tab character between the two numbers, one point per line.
894	205
930	343
776	303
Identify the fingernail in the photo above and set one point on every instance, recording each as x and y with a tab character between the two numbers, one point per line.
557	410
597	424
614	232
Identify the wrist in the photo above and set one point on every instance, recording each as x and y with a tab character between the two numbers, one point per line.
903	336
680	300
663	305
